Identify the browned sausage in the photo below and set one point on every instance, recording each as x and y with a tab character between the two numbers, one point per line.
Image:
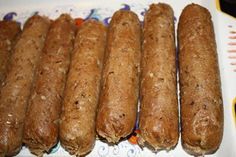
159	106
77	128
16	90
9	31
41	121
119	96
201	100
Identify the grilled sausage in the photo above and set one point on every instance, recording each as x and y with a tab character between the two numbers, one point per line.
159	108
119	96
201	100
77	128
9	31
16	90
41	121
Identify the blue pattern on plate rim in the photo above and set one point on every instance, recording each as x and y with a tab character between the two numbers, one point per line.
105	150
125	7
93	13
9	16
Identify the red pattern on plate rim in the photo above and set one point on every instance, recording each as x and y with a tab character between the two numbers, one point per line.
231	49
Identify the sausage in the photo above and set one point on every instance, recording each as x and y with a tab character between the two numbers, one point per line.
77	127
200	89
18	83
158	106
42	116
120	81
9	31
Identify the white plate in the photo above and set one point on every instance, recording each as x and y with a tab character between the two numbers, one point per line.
225	30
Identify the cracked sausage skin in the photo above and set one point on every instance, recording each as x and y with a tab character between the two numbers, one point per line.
77	127
15	93
42	116
120	81
200	90
159	107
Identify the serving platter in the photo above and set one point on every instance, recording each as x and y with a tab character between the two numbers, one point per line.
225	32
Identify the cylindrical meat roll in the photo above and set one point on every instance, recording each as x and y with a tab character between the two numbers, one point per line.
159	106
9	31
42	116
77	127
200	90
120	82
18	83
